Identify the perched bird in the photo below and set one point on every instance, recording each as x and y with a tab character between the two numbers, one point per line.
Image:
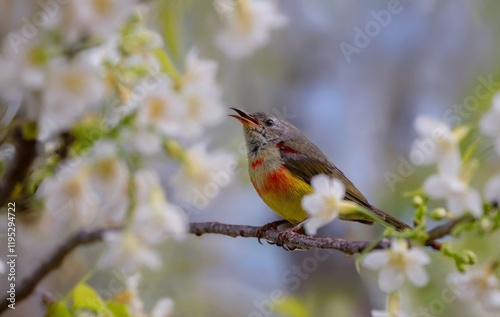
282	162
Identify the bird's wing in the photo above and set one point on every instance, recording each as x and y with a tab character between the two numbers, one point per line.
310	161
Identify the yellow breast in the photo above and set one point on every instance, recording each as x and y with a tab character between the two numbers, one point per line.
280	190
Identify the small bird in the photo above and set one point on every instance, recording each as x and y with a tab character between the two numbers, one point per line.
282	162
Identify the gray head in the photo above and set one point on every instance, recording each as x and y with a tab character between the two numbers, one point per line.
263	130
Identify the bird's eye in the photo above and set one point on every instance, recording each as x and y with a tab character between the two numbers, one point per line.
270	122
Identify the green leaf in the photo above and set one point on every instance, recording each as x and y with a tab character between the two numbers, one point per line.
170	17
167	65
118	309
292	307
58	309
85	297
471	150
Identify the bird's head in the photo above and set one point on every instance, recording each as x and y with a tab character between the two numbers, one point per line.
263	130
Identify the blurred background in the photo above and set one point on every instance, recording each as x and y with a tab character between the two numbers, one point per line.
359	108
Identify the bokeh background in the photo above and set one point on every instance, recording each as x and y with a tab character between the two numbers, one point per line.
360	112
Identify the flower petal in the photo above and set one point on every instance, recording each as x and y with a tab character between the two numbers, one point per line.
320	183
429	127
338	188
455	206
163	308
436	186
313	224
390	279
417	275
450	162
375	259
313	204
399	245
474	203
419	256
421	153
490	123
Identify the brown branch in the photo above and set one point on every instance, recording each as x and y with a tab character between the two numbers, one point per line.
55	260
445	229
19	166
292	240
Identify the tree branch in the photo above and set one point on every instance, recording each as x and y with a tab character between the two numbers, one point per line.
19	166
55	260
293	240
445	229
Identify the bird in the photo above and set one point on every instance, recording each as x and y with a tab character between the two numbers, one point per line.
281	164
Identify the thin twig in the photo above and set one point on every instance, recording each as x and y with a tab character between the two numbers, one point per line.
445	229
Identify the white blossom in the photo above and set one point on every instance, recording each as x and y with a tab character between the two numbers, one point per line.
22	69
460	197
323	205
126	250
202	175
248	27
490	123
204	109
437	144
108	51
70	192
154	217
163	308
146	142
481	286
161	110
492	190
199	71
97	18
71	88
200	95
133	298
138	49
109	176
154	220
396	264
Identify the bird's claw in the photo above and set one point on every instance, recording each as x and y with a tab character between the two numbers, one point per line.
272	225
285	235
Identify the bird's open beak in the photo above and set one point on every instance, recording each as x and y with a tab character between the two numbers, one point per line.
244	117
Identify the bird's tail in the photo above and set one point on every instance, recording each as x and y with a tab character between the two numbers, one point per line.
391	220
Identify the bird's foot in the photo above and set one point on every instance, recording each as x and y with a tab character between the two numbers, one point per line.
284	235
272	225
